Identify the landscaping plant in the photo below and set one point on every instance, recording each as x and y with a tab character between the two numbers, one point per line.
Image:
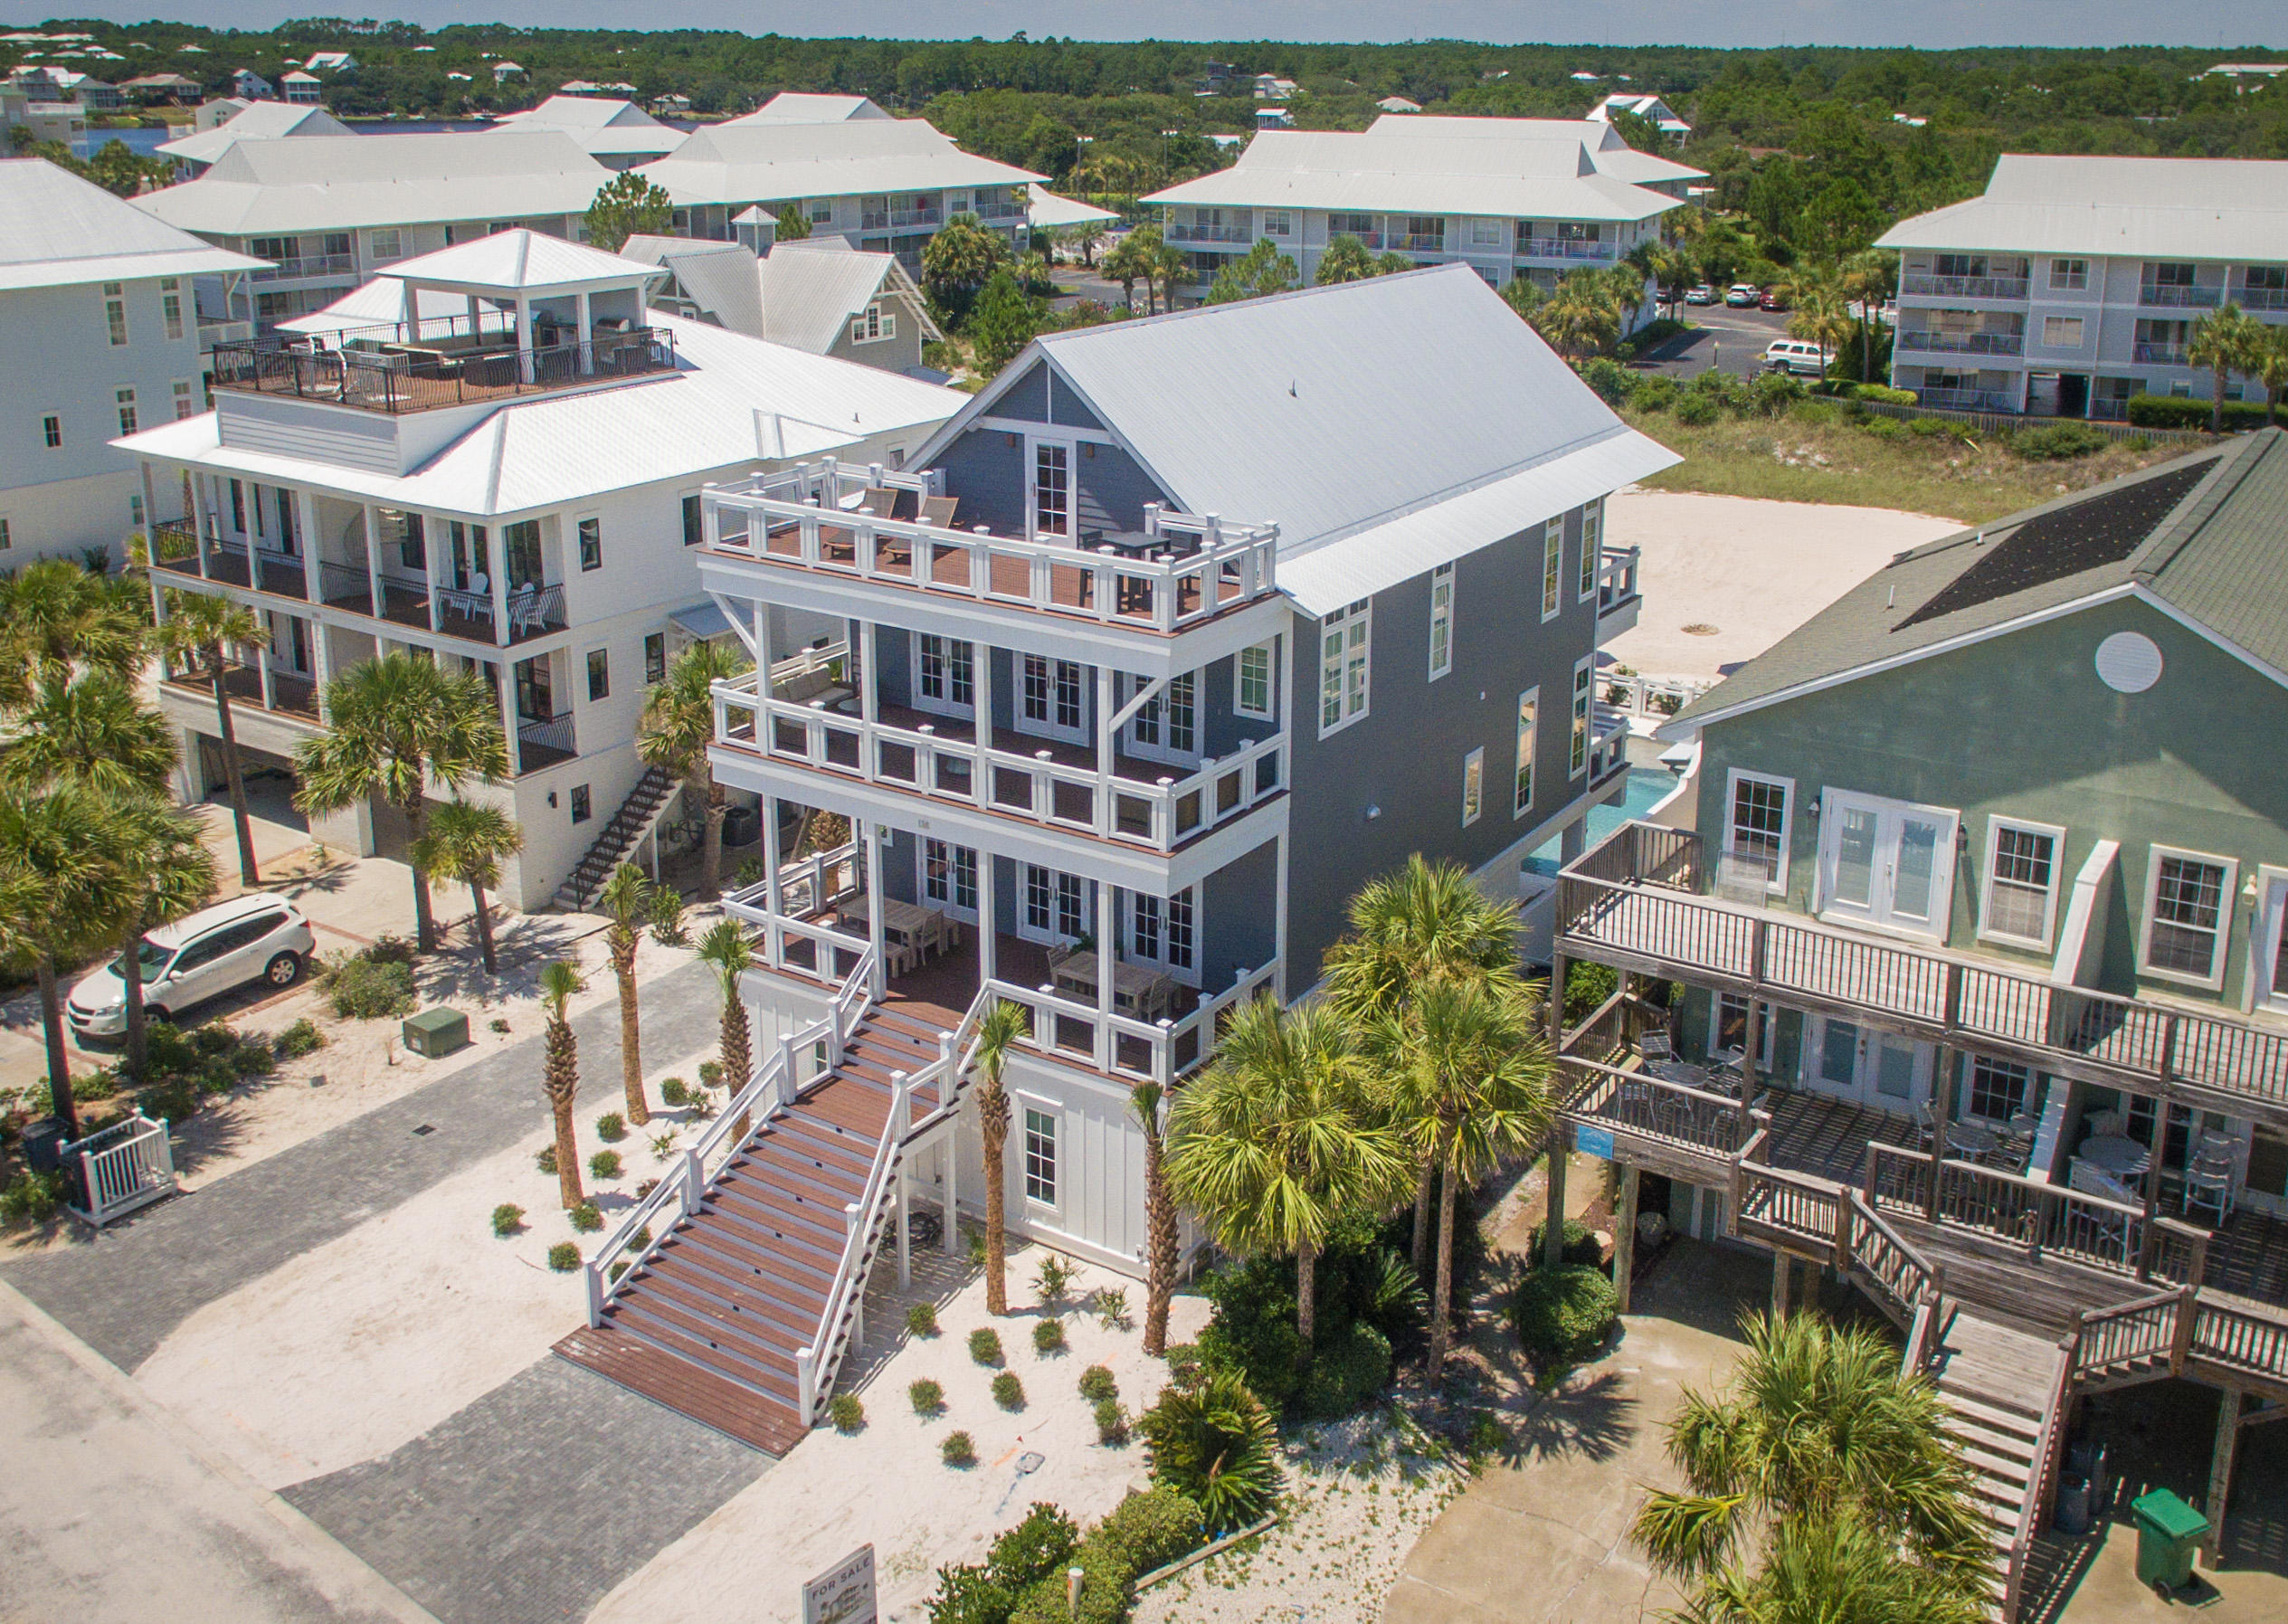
1054	1277
1565	1313
1110	1307
999	1028
1008	1392
586	1219
466	841
984	1345
1048	1337
927	1397
846	1413
300	1038
1112	1422
626	903
508	1219
560	1073
1215	1444
611	1127
564	1256
957	1450
604	1165
1096	1384
921	1319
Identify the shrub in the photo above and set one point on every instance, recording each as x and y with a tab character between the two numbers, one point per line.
973	1243
1588	986
710	1074
968	1595
1653	392
1487	1435
921	1320
364	988
1696	409
663	1145
1774	393
1038	1546
31	1197
300	1038
1008	1392
1112	1422
611	1127
957	1450
2057	442
1346	1372
604	1165
170	1102
1930	428
1611	380
2175	412
545	1158
1096	1384
1186	1366
846	1413
499	1024
564	1256
928	1397
1563	1313
1111	1307
984	1345
507	1218
1883	394
1054	1277
101	1083
1887	428
618	1268
586	1219
1107	1587
1154	1528
672	1092
642	1238
1048	1336
1583	1248
1215	1444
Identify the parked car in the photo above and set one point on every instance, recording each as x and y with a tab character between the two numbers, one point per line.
1793	354
1700	293
1772	299
256	937
1742	295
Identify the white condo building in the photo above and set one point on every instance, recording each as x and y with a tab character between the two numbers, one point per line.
507	478
1510	197
2073	283
99	337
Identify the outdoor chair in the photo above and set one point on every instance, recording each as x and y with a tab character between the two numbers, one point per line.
937	511
2101	1232
1654	1045
2208	1182
2104	1123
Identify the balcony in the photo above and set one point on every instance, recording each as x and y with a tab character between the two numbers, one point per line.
876	220
1963	287
1179	231
998	211
1418	241
1964	343
1140	804
280	693
1563	248
380	369
545	742
175	551
1632	901
1180	571
1966	400
2160	354
1366	239
2177	296
2263	299
318	264
1616	595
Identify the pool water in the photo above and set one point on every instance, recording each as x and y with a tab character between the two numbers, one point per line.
1646	786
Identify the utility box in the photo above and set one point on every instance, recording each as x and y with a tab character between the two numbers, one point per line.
2168	1531
435	1033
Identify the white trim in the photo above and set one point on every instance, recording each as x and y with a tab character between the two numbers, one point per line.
2228	907
2145	595
1778	884
1473	787
1049	726
948	706
1581	720
1158	714
1529	742
1441	620
1590	567
1053	1111
1036	444
1239	707
2269	922
1552	576
1339	623
1995	825
1029	426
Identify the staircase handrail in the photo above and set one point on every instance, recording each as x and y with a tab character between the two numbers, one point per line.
2039	1482
1892	1264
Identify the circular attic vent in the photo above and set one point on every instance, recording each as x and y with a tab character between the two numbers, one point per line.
2129	662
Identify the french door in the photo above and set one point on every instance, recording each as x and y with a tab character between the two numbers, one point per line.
2272	969
1866	1066
1887	862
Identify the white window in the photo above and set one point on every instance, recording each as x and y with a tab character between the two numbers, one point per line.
1052	489
125	399
1251	681
1441	621
387	242
1147	932
1473	787
2069	275
949	876
2062	332
1592	527
2021	881
1180	931
1344	640
1277	223
945	674
1887	863
184	404
134	511
1756	824
115	313
1040	1156
873	323
2188	901
1529	705
171	305
1553	566
7	540
1577	761
1489	233
821	211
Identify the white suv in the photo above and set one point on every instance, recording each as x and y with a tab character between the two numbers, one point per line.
254	937
1793	354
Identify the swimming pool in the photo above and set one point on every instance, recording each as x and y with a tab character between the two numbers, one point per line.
1646	786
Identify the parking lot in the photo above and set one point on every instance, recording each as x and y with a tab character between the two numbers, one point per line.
1720	336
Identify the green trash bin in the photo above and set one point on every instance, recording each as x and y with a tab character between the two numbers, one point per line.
2168	1531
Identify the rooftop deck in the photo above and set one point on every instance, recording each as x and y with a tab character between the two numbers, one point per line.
393	371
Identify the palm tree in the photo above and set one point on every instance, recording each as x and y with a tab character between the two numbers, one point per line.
200	629
89	731
1175	266
725	950
2271	367
394	726
630	902
56	903
2227	340
1827	1450
1145	1101
465	841
1821	314
1866	280
999	1028
678	726
560	1072
1135	258
1083	238
162	872
1344	260
1469	1086
56	620
1274	1143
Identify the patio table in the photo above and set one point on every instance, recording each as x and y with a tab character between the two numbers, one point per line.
2117	1154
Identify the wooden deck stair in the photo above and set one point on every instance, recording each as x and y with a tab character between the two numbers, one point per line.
710	1324
1999	1387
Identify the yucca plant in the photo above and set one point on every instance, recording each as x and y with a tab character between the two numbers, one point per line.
1215	1444
560	1072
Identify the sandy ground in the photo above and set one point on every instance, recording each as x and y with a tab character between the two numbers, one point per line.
887	1485
1753	570
366	1342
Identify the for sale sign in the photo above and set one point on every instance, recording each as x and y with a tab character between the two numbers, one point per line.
844	1594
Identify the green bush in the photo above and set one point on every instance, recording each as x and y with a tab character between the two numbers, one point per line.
1773	394
31	1197
1109	1304
672	1091
921	1320
564	1256
170	1102
611	1127
984	1345
1588	986
1696	409
1347	1370
2176	411
604	1165
362	988
968	1595
1054	1277
1612	381
2057	442
1008	1392
1154	1528
957	1450
928	1397
1883	394
586	1219
545	1158
1107	1588
1563	1313
507	1218
1112	1422
1038	1546
1583	1248
1096	1384
846	1412
1186	1366
300	1038
710	1074
1048	1336
1216	1445
1887	428
1653	392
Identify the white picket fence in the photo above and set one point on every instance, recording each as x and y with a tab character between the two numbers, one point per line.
126	1166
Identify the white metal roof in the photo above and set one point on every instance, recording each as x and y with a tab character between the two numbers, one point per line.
811	289
1388	423
336	183
721	278
732	400
744	162
1607	149
1046	208
64	231
1421	173
520	261
802	107
383	300
257	122
601	125
2163	208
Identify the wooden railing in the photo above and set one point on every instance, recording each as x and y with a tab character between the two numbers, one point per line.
2240	1338
2033	1511
1651	1107
2144	1327
1811	1214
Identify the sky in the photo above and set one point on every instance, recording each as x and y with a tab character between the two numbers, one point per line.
1720	22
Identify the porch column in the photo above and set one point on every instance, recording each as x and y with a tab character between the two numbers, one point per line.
1747	1051
1279	922
773	895
373	560
2220	1472
1560	1140
586	355
1941	1115
949	1239
508	682
981	782
904	1241
1557	969
1106	709
496	579
869	698
262	664
311	543
1108	959
1784	1276
871	832
1625	1236
524	339
988	917
321	653
761	664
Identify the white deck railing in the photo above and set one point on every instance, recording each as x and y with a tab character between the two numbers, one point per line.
1157	816
1195	567
126	1166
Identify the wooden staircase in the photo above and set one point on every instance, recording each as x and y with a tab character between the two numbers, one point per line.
620	837
2003	1392
711	1322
